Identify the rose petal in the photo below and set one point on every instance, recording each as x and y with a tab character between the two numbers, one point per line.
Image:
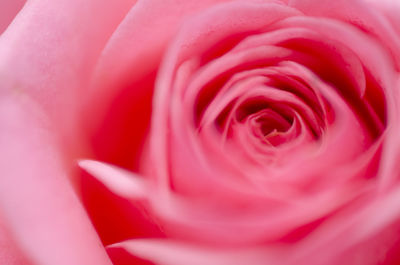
359	13
124	78
50	50
121	182
346	230
168	252
391	9
115	205
8	10
118	64
199	35
37	203
10	252
390	166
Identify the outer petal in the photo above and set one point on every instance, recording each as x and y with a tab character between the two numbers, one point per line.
50	49
40	211
10	254
8	10
46	58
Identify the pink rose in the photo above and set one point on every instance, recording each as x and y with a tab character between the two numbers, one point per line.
207	132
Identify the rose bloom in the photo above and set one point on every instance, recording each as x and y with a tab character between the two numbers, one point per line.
213	132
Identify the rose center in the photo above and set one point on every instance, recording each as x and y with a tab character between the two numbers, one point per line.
268	125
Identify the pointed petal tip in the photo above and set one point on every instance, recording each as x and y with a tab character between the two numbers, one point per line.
120	181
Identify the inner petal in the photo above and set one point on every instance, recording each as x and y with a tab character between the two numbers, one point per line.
267	124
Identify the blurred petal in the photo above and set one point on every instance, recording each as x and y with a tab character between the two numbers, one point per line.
120	256
39	208
358	13
50	50
169	252
391	9
10	252
8	10
201	35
